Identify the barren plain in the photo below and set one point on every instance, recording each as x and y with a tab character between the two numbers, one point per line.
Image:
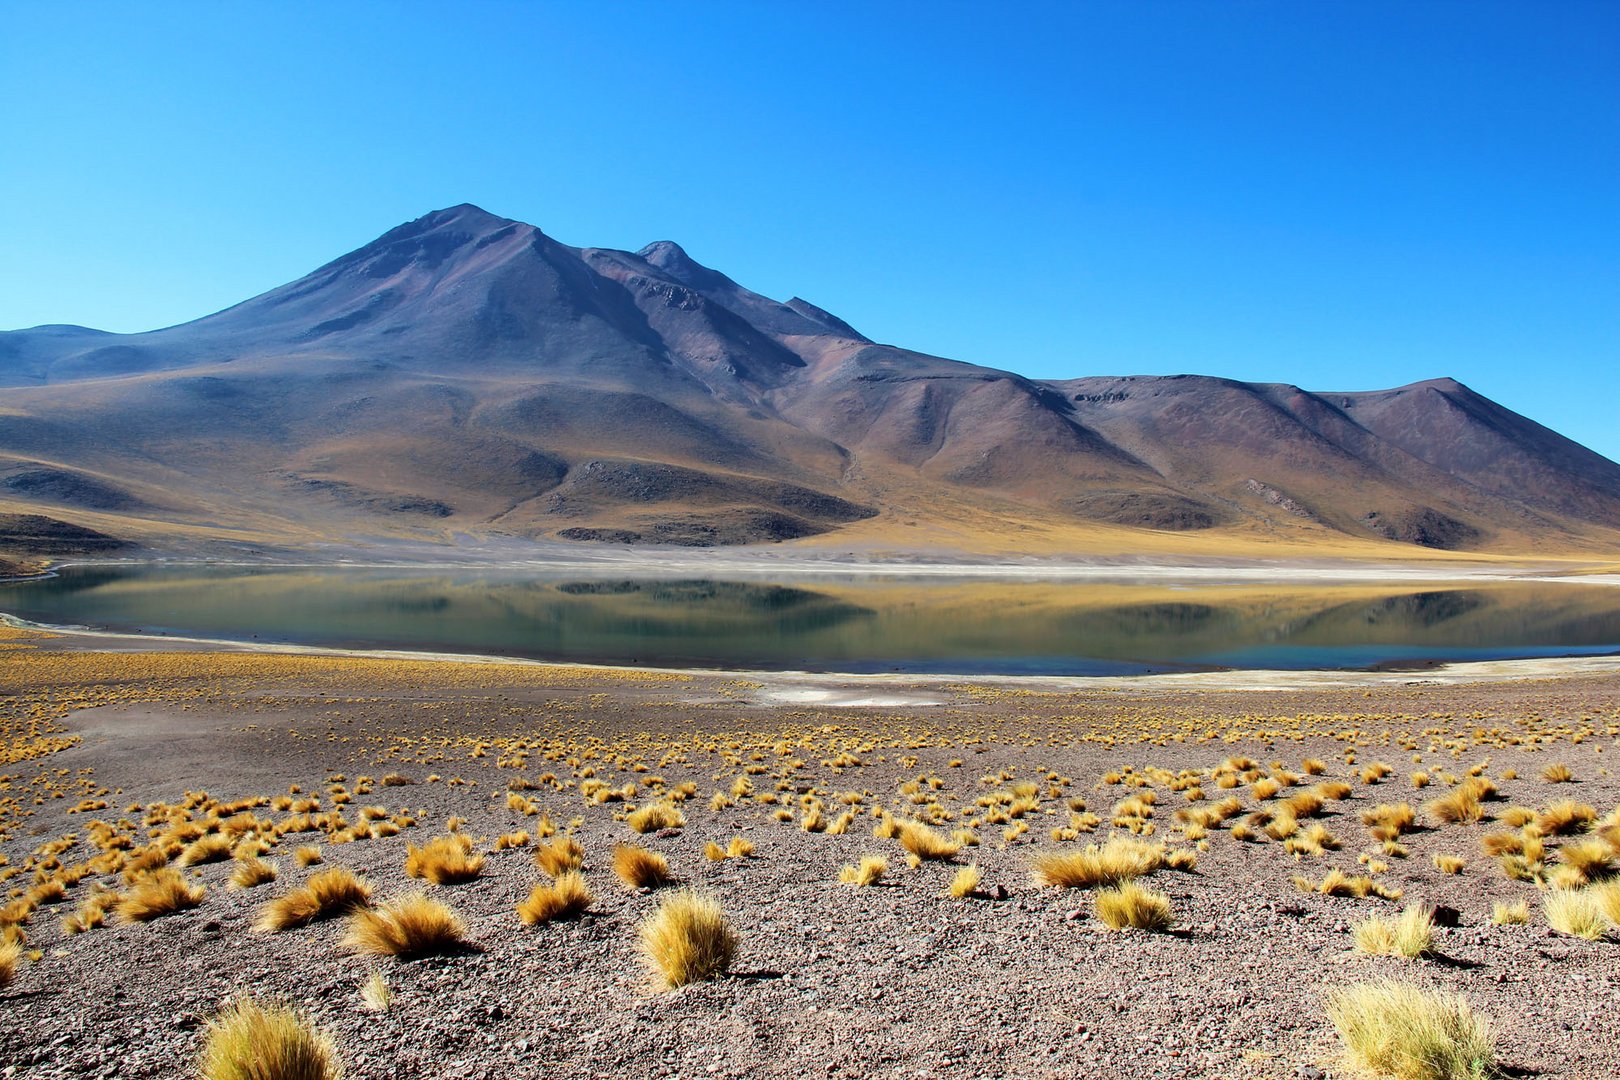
206	760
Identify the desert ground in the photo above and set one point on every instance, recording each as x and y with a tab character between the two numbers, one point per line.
1240	797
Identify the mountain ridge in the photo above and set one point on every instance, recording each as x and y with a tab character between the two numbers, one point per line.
465	373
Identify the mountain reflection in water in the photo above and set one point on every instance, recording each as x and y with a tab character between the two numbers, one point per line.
845	623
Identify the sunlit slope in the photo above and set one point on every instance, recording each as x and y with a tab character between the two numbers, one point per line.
468	376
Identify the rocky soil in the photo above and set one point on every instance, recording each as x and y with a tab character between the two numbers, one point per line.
894	980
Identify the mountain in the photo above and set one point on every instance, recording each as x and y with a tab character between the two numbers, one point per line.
465	375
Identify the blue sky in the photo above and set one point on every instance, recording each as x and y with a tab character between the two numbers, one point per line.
1338	195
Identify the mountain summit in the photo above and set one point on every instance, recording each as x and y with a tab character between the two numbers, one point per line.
465	374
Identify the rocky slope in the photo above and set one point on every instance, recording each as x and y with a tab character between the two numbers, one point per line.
466	374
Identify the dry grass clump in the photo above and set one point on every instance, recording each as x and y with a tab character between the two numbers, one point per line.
1517	817
1131	905
444	860
1590	860
1449	864
568	897
1120	859
655	816
327	894
92	914
1576	912
1465	803
739	848
1563	819
1410	934
407	928
1337	883
1315	839
639	868
308	855
10	955
1389	821
927	843
1397	1030
965	883
249	873
162	892
1607	898
215	847
1557	773
1515	913
687	940
560	856
869	871
248	1041
374	992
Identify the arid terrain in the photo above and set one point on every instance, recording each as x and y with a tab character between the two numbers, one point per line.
465	378
123	766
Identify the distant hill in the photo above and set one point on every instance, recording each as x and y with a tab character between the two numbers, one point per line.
466	375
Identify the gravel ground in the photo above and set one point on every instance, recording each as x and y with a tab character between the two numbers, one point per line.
830	980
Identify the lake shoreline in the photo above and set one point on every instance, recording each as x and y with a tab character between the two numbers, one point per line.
843	685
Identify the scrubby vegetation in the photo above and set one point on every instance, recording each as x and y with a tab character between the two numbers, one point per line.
249	1041
687	940
1177	829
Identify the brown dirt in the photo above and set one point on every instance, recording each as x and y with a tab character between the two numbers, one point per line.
831	980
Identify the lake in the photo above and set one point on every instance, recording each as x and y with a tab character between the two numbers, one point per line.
846	623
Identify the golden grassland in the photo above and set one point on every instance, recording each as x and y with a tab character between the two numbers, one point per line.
1144	818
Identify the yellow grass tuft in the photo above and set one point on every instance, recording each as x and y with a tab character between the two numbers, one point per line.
639	868
1449	864
1591	860
1516	913
927	843
1119	860
10	956
1410	934
739	848
869	871
1390	820
249	873
444	860
714	852
965	883
1396	1030
1557	773
567	897
1465	803
327	894
1564	819
687	940
408	927
162	892
309	855
560	856
91	914
1182	859
1337	883
655	816
209	849
374	992
248	1041
1131	905
1576	912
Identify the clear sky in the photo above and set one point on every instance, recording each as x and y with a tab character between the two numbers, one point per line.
1338	195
